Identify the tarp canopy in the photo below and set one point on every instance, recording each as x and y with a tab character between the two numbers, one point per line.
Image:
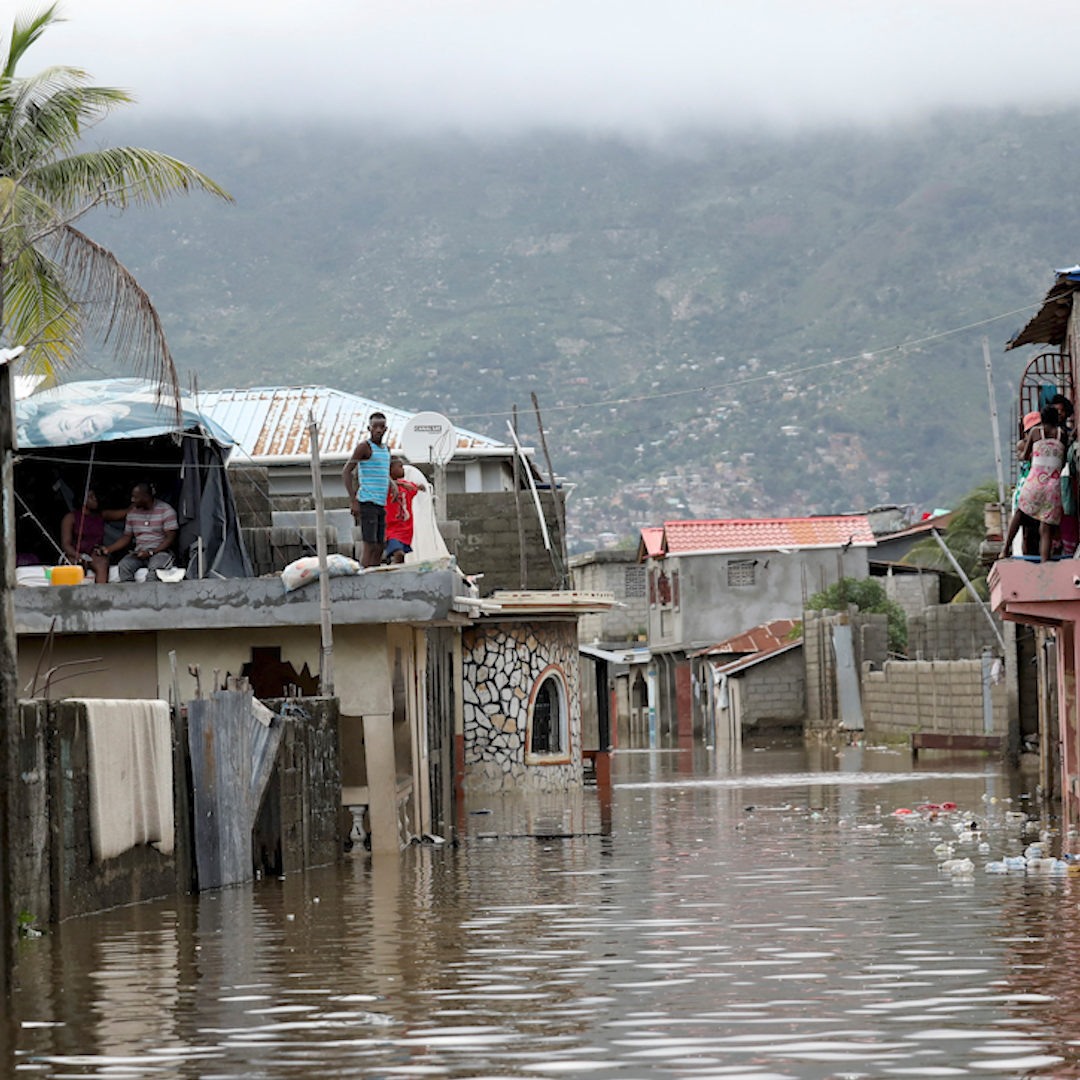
103	410
108	435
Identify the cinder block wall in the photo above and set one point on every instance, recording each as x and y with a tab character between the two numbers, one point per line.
488	543
612	571
941	697
951	632
773	694
870	636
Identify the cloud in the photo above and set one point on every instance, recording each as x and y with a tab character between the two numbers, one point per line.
619	65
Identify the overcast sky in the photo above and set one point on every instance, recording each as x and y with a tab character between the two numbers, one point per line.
630	65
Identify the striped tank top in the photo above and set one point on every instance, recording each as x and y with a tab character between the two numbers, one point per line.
373	475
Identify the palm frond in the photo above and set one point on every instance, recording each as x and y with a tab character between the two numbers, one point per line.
45	116
25	32
116	310
120	176
40	314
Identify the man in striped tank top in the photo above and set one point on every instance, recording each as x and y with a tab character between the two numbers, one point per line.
367	480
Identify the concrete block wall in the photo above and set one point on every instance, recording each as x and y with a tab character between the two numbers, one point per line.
607	571
773	694
913	592
941	697
870	636
272	548
488	543
951	632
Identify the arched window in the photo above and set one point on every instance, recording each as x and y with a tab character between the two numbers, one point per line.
548	736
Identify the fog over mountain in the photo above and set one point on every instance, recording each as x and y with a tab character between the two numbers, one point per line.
632	66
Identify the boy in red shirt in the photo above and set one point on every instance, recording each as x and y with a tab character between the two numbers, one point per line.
399	518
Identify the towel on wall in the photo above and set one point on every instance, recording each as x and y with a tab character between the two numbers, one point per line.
131	775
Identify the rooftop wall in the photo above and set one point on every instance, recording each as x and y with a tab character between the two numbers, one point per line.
400	595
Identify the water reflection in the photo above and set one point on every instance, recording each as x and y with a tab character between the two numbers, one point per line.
762	917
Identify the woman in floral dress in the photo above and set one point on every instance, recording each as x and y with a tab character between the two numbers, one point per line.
1040	496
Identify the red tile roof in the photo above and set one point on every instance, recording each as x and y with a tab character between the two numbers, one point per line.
751	534
761	639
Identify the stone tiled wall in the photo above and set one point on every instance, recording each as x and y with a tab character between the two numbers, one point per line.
501	664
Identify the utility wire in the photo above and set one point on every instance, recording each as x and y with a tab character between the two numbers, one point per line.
788	373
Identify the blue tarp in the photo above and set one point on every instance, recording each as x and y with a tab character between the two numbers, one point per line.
103	410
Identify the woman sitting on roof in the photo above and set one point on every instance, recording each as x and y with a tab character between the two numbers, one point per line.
82	532
1040	495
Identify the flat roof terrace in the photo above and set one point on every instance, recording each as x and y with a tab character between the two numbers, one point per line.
390	596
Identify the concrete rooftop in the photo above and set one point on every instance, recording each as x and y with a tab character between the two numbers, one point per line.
393	596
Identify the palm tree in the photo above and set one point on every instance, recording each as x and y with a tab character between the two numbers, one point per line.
963	537
57	286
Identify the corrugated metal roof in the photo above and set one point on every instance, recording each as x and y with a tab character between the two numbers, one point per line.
271	422
1050	322
755	658
751	534
765	638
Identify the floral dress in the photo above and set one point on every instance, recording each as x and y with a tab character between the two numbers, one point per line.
1040	496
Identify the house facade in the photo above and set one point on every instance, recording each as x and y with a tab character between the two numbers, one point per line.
709	581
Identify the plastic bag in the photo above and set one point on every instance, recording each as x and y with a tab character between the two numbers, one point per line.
306	570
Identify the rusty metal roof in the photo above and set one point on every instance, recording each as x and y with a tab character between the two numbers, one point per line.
270	423
1048	325
761	639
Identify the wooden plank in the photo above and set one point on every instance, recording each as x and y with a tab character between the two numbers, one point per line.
922	740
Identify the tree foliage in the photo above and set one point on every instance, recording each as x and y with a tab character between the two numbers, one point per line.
963	537
57	286
867	594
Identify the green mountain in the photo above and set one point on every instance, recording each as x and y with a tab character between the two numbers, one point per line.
705	285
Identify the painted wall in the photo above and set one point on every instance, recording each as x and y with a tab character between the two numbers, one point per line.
122	665
705	609
502	664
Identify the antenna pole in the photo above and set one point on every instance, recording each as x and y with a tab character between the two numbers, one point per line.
997	434
326	652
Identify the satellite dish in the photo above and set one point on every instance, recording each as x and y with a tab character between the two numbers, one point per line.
428	439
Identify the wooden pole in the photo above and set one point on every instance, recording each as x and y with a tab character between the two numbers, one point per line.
523	562
997	435
556	495
326	652
9	690
532	487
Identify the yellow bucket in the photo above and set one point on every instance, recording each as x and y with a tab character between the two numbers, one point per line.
66	575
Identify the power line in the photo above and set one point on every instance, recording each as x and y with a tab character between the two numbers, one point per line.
788	373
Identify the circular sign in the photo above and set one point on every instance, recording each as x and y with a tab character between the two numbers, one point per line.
428	439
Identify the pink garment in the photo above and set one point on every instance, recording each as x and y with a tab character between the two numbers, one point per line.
1040	497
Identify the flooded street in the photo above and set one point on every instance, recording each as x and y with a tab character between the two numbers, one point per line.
770	920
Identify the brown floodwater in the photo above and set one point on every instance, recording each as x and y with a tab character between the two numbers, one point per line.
763	918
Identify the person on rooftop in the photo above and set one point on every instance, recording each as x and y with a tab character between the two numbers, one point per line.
82	533
366	476
152	524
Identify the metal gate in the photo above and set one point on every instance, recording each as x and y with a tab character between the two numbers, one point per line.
1047	374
